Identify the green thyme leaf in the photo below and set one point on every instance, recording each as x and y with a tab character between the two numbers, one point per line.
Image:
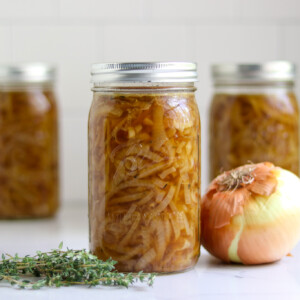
65	268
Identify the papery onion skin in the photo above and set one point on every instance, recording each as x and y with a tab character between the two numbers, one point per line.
263	228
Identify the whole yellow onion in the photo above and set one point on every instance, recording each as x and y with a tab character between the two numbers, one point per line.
251	214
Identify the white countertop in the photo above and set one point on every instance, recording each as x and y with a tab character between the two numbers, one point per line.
210	279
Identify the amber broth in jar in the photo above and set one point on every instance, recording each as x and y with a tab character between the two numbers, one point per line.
144	175
29	150
254	128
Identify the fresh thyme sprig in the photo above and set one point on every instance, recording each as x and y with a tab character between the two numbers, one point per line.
64	268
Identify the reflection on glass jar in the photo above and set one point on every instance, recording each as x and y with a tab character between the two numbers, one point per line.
28	142
254	117
144	171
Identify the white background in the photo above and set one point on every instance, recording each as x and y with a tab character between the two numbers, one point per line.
73	34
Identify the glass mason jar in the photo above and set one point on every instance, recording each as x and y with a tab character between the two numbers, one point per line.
254	116
144	166
28	142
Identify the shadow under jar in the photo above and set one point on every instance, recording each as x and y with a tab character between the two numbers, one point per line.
254	117
28	142
144	166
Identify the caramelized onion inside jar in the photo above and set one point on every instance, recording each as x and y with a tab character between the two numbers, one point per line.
144	180
29	158
254	128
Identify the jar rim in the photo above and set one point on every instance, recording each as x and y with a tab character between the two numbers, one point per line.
35	72
251	73
144	72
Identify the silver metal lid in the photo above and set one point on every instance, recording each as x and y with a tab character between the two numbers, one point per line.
144	72
275	71
27	73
